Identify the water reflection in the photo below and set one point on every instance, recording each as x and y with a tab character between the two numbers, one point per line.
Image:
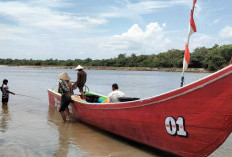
77	139
65	146
5	117
62	148
64	141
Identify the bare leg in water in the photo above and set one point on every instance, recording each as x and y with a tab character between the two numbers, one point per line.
63	115
4	104
68	113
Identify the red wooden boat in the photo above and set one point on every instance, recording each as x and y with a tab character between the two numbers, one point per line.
190	121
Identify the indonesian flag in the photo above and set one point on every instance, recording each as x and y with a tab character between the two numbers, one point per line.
192	29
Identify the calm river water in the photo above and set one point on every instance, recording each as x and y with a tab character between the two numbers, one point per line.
29	128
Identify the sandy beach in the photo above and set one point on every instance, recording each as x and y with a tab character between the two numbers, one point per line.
197	70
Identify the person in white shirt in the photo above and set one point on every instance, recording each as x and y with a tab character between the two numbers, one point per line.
113	96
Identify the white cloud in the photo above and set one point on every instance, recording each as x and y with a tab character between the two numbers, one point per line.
226	32
37	29
201	40
10	32
164	24
136	40
52	29
29	14
50	3
128	9
216	21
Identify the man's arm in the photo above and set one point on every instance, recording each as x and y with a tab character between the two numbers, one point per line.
10	92
59	88
70	88
109	99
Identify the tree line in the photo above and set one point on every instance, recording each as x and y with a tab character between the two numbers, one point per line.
211	59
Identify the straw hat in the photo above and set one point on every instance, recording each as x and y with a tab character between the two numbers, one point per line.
78	67
64	76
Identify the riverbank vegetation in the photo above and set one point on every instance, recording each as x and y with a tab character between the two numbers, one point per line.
210	59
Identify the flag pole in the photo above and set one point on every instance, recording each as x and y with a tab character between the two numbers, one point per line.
192	29
182	80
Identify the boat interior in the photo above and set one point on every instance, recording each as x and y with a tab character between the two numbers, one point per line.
92	97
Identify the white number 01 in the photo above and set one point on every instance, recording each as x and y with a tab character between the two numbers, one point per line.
175	127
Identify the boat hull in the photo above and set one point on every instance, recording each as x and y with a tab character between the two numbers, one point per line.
190	121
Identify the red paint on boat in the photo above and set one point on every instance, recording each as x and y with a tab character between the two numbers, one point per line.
204	107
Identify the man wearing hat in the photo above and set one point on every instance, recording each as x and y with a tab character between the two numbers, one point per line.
81	79
65	88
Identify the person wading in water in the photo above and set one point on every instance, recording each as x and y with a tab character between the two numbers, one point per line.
65	88
5	92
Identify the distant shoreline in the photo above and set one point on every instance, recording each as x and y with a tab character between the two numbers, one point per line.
196	70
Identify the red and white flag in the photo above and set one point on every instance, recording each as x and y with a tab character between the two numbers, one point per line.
192	29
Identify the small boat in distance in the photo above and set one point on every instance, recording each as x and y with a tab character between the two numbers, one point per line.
193	120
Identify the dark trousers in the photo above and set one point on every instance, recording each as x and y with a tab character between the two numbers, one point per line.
5	100
65	101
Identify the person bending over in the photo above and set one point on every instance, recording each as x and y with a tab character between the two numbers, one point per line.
65	88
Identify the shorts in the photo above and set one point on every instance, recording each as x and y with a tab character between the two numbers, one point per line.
65	101
5	100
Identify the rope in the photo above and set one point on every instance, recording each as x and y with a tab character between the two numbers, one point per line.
27	96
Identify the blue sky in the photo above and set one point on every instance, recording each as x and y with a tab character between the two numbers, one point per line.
70	29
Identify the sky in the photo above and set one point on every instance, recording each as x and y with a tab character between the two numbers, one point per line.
100	29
